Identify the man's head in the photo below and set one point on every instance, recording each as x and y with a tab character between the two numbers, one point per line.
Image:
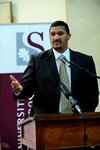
59	34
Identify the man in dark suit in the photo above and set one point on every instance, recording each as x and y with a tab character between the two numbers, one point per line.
41	77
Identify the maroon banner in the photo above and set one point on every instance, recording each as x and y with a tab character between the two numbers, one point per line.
12	112
27	39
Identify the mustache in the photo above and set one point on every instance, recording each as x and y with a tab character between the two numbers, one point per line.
56	41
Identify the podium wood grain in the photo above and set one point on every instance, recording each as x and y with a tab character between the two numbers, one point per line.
60	131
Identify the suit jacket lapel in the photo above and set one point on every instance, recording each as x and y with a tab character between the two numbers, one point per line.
52	64
73	58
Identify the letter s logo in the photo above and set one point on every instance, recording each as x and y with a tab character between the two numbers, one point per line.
35	44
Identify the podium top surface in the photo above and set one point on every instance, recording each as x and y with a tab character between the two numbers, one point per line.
49	117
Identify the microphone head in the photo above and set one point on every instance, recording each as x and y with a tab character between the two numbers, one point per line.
64	60
65	90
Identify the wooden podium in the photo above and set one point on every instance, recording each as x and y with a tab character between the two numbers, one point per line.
60	131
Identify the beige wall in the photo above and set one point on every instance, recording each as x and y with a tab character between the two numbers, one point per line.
37	10
81	15
84	22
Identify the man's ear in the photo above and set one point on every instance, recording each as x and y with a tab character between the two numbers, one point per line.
69	36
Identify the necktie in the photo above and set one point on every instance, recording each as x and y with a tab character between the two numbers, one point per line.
66	106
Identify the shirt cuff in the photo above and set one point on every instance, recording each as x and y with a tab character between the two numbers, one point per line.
17	94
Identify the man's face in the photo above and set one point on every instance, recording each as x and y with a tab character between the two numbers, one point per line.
59	38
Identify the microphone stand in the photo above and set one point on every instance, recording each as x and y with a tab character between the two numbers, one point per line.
62	58
86	70
85	135
69	63
92	74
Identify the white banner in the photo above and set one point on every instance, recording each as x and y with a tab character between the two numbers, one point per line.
18	41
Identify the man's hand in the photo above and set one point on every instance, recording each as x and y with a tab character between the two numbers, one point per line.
15	84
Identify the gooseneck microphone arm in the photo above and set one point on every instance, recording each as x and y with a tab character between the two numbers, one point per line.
69	63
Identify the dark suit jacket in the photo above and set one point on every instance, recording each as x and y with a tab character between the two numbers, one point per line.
41	78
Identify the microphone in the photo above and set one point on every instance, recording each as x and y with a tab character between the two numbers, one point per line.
69	96
64	60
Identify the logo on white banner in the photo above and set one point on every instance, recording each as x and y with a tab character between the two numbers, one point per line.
28	44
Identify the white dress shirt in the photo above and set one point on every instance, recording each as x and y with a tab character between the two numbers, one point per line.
67	55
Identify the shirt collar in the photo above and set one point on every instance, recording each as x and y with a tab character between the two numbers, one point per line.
66	54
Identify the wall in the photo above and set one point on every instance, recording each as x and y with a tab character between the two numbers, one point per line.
37	11
81	15
84	22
